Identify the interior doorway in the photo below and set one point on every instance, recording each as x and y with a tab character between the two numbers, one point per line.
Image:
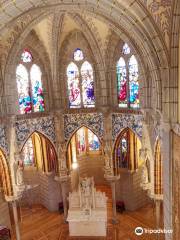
85	157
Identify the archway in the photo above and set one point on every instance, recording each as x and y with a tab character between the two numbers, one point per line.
5	179
39	160
38	151
85	156
6	190
126	151
127	163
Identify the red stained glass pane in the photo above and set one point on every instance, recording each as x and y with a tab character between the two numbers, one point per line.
121	82
73	86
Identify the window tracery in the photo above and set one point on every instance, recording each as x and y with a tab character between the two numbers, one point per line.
29	85
80	82
127	73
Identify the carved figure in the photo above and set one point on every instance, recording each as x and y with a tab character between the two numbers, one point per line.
20	173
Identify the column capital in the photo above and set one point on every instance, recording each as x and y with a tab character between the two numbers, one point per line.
11	198
157	197
62	179
112	178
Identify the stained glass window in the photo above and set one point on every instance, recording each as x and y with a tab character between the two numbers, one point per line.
73	86
127	79
133	82
126	151
28	153
122	83
29	85
81	141
26	56
37	91
93	141
22	80
126	49
80	79
78	55
121	151
86	141
87	85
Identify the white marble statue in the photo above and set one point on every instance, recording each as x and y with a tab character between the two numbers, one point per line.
144	177
62	155
87	214
86	192
20	173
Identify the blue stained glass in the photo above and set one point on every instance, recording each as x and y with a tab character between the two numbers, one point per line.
26	56
28	153
73	86
133	82
78	54
81	142
37	91
93	141
25	104
87	85
126	49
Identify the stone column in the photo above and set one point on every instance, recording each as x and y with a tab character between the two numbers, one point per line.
63	180
12	200
158	212
166	151
113	189
16	223
112	180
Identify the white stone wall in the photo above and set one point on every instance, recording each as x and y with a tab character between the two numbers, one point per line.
48	192
128	190
91	165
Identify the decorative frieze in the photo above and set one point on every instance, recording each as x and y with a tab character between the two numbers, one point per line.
73	122
121	121
44	125
3	140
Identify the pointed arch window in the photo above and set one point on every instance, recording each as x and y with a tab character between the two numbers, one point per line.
80	78
29	85
84	142
126	151
127	73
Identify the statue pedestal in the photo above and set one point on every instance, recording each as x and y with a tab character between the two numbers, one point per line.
87	214
87	225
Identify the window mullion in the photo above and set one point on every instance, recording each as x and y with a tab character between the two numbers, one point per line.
127	84
30	88
80	87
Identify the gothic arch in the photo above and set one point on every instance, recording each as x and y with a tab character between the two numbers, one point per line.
113	53
131	150
143	39
41	58
44	144
79	127
69	161
91	50
5	175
